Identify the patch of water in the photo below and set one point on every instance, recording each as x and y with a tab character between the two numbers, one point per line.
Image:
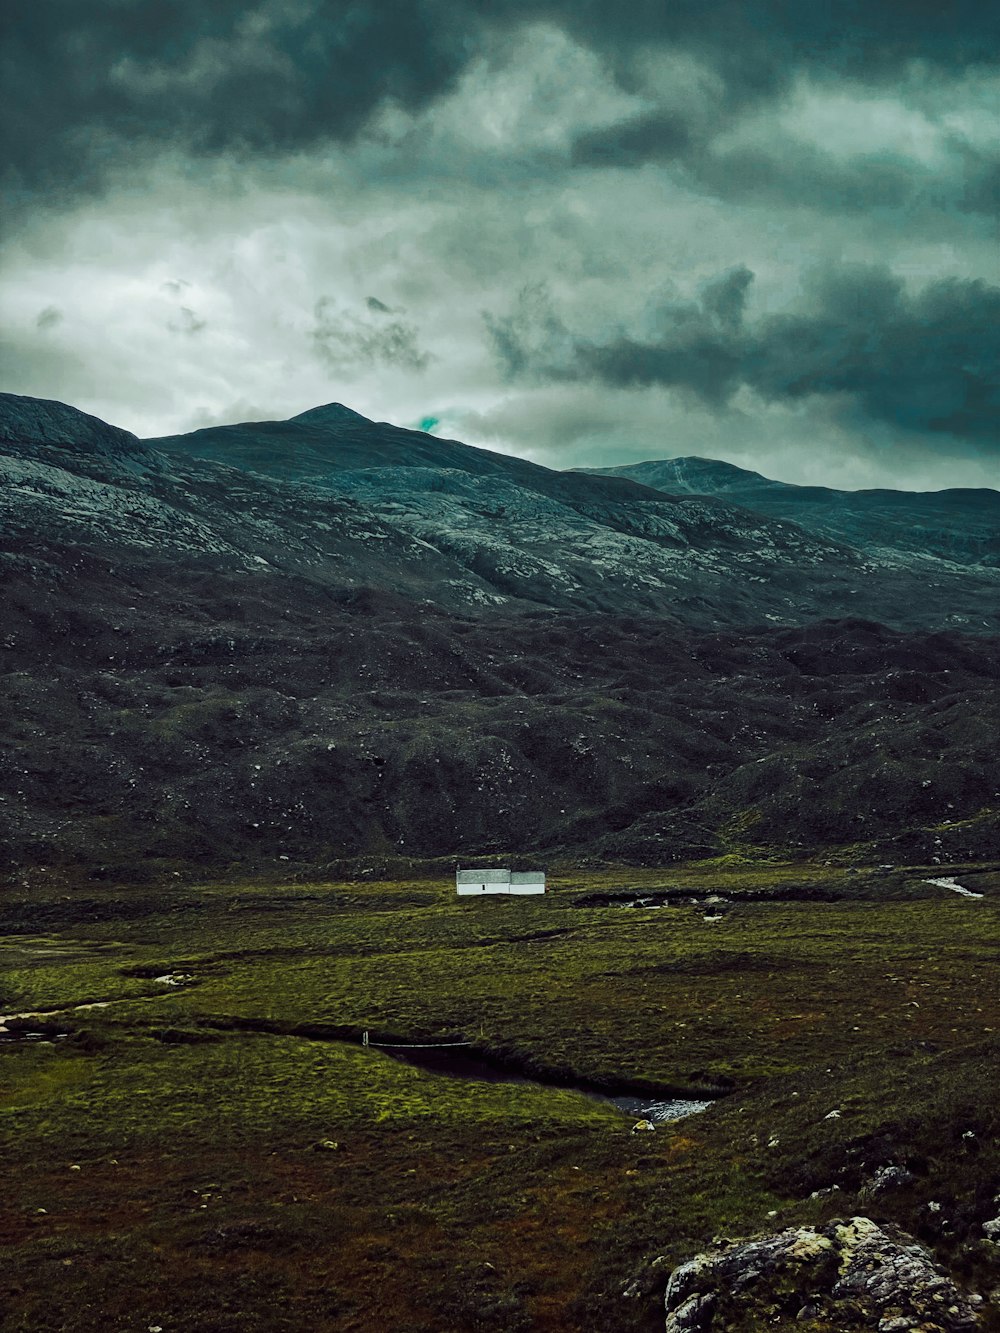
643	1108
451	1060
47	1015
454	1062
949	883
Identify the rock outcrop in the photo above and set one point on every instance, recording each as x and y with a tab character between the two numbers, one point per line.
846	1275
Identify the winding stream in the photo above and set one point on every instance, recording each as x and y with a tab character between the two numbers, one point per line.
454	1062
447	1060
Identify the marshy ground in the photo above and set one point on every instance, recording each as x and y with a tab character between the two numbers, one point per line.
161	1155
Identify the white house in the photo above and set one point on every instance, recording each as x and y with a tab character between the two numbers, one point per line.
469	882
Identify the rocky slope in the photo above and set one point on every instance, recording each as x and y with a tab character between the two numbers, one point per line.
460	653
959	526
719	549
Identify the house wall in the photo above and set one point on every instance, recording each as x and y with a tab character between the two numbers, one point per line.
527	881
474	883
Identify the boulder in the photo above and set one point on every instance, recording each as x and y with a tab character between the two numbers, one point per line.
885	1178
847	1275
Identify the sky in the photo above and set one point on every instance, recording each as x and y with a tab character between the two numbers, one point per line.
584	233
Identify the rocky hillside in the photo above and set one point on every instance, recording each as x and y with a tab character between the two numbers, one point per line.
212	667
959	526
700	540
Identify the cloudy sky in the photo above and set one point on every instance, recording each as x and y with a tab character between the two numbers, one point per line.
586	233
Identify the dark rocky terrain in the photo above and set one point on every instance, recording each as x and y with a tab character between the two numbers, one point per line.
325	639
961	526
701	542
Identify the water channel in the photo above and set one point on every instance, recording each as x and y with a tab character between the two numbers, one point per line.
447	1060
456	1062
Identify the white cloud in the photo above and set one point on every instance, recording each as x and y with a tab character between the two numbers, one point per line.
848	122
530	94
581	425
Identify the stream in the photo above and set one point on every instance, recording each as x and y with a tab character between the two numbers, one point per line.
448	1060
454	1062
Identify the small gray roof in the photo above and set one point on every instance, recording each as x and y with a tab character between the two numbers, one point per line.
483	877
527	876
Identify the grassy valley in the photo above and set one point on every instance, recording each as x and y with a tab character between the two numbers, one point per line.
172	1137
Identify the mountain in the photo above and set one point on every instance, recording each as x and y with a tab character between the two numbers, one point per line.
437	651
41	422
615	540
333	438
961	526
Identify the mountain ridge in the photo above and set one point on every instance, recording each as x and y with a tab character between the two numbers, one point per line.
954	523
212	667
466	528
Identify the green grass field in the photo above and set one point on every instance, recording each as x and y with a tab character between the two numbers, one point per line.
160	1160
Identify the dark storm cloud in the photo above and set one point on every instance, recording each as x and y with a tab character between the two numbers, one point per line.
532	336
980	190
801	174
49	317
88	83
755	43
663	137
927	362
186	322
724	298
785	172
343	338
91	85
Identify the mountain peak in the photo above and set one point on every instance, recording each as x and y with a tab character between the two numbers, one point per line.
328	414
